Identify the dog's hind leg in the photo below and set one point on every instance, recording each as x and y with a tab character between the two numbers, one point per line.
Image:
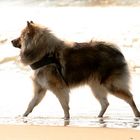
39	93
119	87
101	95
126	96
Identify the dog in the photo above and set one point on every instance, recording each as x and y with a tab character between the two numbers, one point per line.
59	66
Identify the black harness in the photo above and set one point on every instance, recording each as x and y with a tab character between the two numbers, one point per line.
46	60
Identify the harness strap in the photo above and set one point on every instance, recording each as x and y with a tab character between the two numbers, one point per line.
46	60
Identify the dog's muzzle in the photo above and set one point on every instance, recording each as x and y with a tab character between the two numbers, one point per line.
16	43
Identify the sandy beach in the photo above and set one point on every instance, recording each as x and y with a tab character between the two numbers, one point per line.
27	132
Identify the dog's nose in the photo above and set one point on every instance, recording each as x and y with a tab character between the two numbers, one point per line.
12	41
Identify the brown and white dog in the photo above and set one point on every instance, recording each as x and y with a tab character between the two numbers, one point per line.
59	67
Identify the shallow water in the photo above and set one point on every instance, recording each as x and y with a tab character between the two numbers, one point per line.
106	122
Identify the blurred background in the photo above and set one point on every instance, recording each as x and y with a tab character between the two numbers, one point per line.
115	21
78	3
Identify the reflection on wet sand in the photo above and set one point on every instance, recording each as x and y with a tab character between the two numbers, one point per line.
105	122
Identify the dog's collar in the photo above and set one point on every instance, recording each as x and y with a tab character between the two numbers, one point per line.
46	60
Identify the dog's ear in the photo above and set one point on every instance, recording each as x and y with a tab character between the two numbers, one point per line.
31	22
30	28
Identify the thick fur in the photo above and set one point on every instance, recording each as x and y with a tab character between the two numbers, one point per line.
100	65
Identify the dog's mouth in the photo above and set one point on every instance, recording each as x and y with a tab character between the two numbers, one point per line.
16	43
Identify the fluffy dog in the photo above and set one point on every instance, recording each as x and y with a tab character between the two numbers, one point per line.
59	67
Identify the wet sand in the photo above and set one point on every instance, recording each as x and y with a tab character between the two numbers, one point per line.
27	132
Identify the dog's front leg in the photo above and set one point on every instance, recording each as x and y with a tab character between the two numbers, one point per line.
63	97
39	93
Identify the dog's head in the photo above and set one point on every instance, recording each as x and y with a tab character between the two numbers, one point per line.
31	43
26	33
